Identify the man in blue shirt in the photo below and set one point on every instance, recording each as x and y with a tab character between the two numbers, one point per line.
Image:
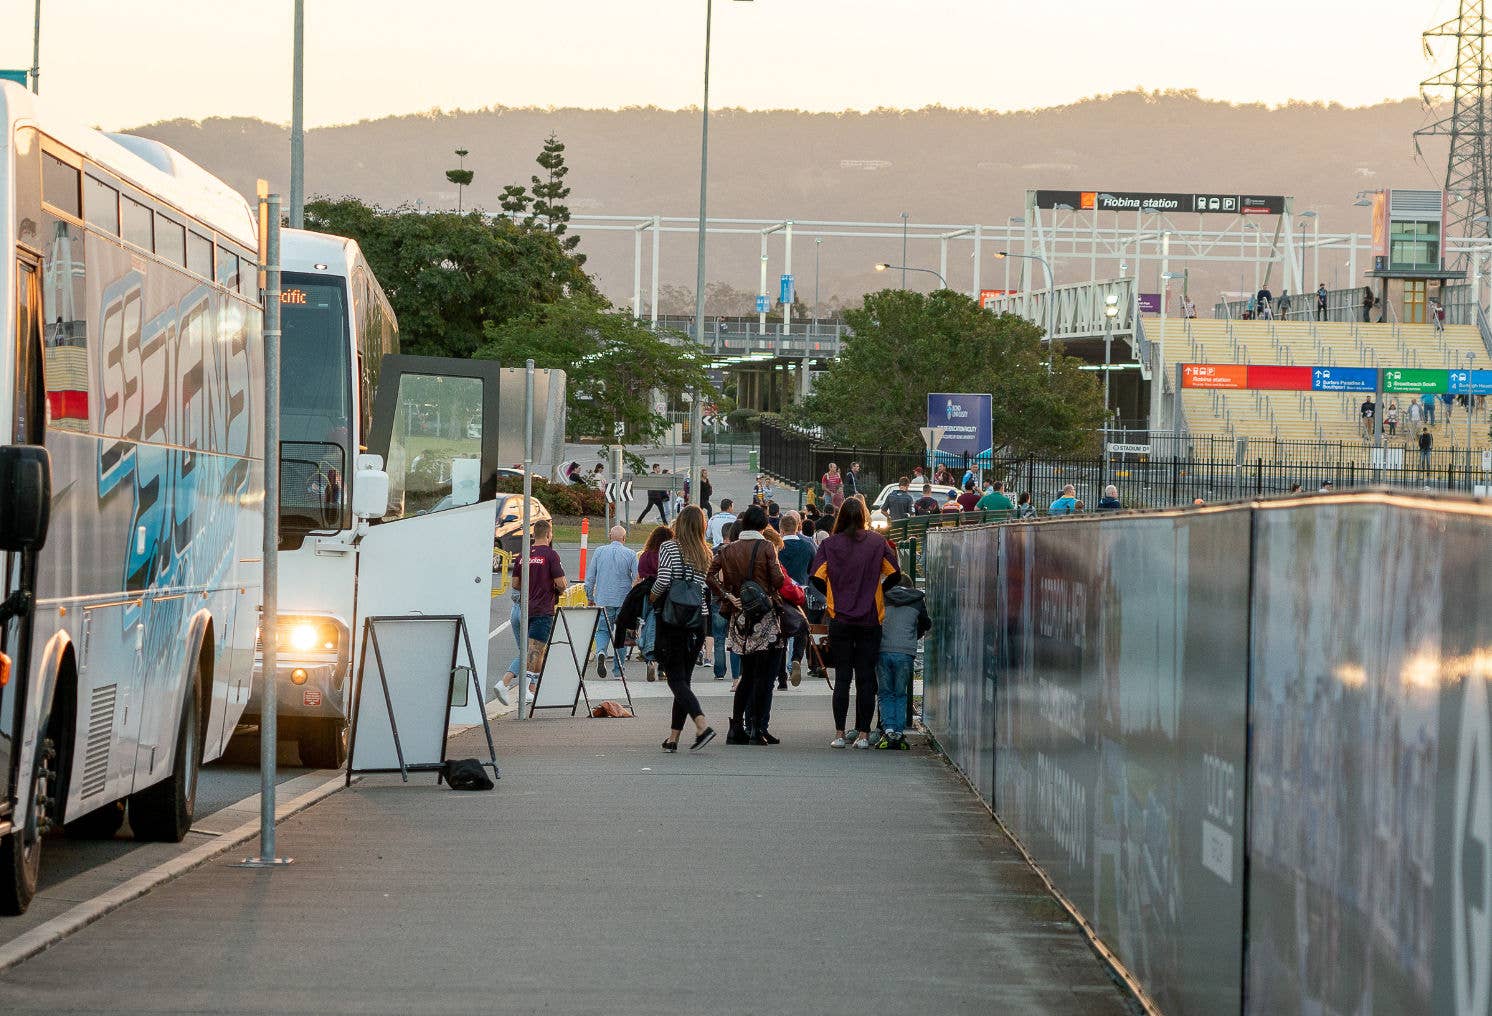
613	573
1067	503
795	557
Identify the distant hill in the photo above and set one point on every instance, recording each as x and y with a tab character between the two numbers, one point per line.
939	165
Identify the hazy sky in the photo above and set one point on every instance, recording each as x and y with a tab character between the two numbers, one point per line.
124	62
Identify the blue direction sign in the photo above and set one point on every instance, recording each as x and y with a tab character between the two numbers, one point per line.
1344	379
786	295
761	304
1474	382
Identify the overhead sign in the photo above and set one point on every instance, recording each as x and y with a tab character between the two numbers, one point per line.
1344	379
989	296
785	292
1134	201
964	420
1266	377
1214	375
1418	381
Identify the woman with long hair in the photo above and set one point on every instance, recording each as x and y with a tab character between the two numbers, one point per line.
853	568
754	639
684	559
647	570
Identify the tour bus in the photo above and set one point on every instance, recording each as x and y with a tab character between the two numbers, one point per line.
351	405
131	482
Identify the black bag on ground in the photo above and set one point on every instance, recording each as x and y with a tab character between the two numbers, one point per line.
466	774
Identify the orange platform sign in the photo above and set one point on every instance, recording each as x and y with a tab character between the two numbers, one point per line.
1214	375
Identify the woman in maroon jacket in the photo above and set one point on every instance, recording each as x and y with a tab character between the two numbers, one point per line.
852	569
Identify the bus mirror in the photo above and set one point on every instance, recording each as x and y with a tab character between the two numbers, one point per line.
25	497
370	488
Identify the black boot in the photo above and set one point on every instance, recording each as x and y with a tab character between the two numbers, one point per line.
736	734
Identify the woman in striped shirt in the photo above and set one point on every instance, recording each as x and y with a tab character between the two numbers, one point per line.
685	558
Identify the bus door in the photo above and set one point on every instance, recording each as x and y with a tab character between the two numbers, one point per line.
435	423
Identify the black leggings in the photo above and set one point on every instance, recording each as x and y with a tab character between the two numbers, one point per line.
854	650
753	702
677	651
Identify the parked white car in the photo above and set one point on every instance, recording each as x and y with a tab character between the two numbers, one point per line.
878	520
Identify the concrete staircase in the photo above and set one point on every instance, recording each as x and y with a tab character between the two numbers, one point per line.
1315	417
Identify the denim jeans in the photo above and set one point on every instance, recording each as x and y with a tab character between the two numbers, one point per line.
538	631
645	643
894	676
718	627
604	641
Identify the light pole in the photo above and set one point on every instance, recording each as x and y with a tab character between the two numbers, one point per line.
1050	284
36	52
1315	245
817	246
1470	405
1110	312
695	414
298	120
903	249
1014	220
881	266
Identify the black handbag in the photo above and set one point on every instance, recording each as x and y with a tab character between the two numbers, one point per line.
684	606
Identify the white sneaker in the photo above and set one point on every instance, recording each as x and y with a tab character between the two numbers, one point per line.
502	693
861	742
838	742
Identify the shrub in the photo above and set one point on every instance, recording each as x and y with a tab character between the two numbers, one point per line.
565	499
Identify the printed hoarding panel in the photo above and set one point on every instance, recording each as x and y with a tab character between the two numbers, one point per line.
965	419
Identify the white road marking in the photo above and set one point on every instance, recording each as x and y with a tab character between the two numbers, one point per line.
498	630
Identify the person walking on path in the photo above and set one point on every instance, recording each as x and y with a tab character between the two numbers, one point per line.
545	576
796	557
852	480
1285	305
656	499
997	500
1110	500
706	491
899	503
1066	504
1321	302
1367	303
1426	442
612	574
647	570
833	485
906	622
746	575
719	623
1391	417
683	560
715	535
852	568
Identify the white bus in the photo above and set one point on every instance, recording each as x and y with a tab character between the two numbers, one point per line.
133	357
433	423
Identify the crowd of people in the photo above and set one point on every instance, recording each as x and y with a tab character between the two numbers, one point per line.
759	586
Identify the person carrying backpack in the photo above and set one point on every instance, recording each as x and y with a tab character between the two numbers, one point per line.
681	600
851	569
906	622
746	576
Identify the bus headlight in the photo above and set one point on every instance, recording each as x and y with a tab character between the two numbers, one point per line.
314	635
303	637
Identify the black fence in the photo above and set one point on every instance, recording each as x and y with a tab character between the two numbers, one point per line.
1177	469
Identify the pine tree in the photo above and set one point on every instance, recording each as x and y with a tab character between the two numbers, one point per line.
550	192
462	177
515	199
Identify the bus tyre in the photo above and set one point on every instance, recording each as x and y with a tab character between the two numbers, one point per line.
164	812
20	852
323	743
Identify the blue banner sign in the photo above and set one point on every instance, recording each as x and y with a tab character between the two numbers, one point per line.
1344	379
1474	382
761	304
785	296
965	420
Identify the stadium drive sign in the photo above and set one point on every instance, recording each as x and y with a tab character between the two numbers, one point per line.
1134	201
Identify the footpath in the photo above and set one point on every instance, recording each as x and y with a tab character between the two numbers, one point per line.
603	876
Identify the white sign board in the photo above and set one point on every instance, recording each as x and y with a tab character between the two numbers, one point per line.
563	674
1122	448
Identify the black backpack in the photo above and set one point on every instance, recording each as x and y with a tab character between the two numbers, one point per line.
756	602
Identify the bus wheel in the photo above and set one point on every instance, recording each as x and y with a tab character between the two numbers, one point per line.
164	812
323	743
20	852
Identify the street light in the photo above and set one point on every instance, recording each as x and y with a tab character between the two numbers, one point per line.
695	410
1110	312
1316	246
1049	295
817	245
881	266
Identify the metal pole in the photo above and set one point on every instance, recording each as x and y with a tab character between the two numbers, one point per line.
653	297
787	269
523	571
903	249
270	552
761	314
817	250
695	416
1165	291
1470	405
1108	359
36	52
298	121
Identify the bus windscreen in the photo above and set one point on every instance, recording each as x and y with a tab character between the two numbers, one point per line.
315	404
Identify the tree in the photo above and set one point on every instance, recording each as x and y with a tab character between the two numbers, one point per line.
515	199
462	177
449	276
550	191
614	364
907	344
